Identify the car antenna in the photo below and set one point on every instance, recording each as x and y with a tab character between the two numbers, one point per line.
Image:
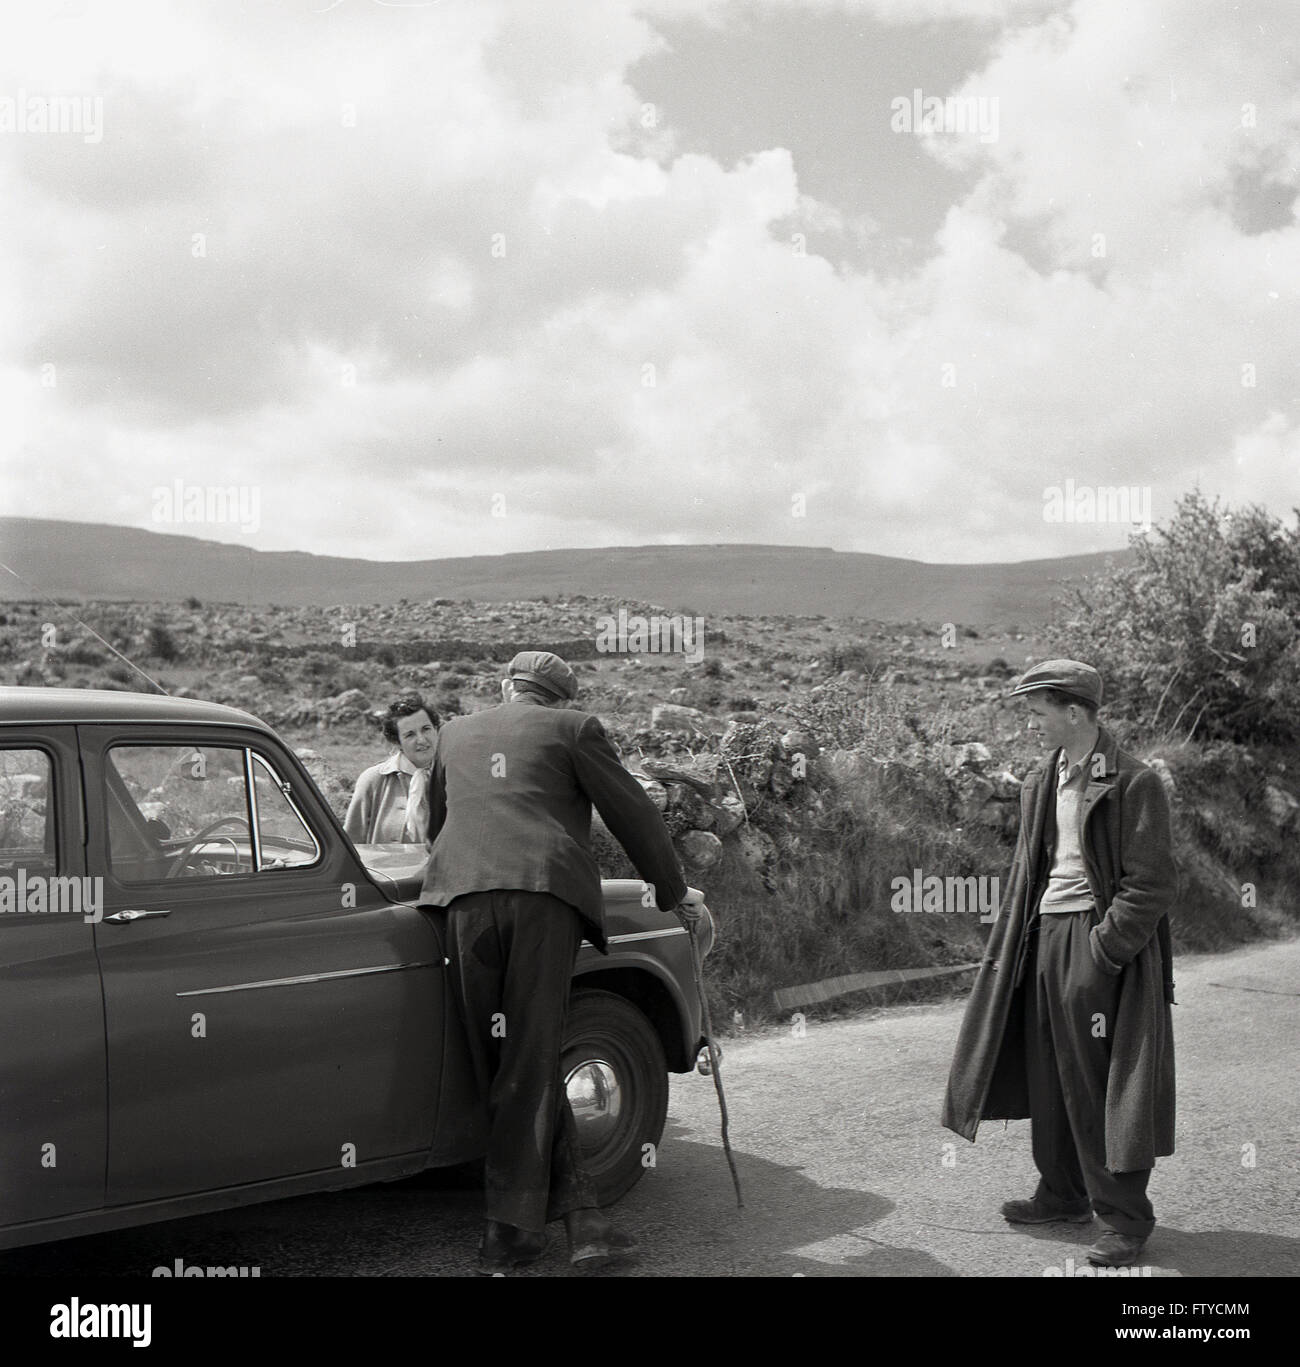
27	583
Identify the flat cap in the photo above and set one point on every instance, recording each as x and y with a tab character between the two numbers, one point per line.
545	670
1069	676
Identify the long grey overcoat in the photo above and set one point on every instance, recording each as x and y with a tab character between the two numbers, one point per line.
1126	841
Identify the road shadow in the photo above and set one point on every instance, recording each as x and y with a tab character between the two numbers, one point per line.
375	1230
1169	1251
1223	1253
791	1224
683	1213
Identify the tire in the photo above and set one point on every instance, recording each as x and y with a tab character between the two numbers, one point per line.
605	1029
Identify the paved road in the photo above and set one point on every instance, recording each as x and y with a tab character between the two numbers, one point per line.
846	1170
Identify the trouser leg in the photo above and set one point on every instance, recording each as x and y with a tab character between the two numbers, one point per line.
513	954
477	961
571	1186
1081	1004
1060	1178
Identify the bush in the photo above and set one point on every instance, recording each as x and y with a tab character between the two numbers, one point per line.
318	665
839	716
83	653
1201	636
824	908
859	656
350	677
161	644
709	695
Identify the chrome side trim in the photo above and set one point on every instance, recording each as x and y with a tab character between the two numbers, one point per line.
646	935
306	978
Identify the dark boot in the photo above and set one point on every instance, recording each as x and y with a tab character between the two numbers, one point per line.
1033	1212
593	1241
1114	1249
504	1247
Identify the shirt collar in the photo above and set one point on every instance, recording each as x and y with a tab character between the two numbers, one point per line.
1065	771
396	763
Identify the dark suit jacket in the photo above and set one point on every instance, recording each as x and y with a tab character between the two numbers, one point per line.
510	798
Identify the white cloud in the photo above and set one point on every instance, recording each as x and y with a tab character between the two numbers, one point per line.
444	248
886	11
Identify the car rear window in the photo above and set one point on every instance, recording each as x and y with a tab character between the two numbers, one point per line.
27	833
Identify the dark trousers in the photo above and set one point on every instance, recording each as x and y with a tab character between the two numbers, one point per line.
1070	1009
512	956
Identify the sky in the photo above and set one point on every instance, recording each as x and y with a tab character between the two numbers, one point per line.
461	277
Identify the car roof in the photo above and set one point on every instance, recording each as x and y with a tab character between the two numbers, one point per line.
67	705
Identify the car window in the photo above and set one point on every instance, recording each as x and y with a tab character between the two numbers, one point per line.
26	811
185	811
285	839
181	811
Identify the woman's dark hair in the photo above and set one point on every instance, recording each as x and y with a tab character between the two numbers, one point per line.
405	706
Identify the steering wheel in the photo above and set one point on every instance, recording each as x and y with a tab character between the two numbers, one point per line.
186	854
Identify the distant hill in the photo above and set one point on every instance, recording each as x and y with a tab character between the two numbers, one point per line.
89	560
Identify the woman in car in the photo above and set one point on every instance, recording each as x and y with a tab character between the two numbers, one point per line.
381	802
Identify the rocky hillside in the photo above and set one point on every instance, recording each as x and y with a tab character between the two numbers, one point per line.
93	560
804	765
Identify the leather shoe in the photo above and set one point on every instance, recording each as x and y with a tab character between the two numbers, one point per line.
504	1247
1032	1212
594	1242
1114	1249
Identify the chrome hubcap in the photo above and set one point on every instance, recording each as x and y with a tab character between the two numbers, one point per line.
596	1098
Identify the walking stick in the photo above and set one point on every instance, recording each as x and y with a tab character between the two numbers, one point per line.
715	1062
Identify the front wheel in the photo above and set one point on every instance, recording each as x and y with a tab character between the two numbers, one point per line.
617	1080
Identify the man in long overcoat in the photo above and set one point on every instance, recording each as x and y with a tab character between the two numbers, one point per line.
1069	1022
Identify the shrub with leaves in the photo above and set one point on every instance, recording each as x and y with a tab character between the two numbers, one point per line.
161	643
857	655
840	715
1200	637
85	653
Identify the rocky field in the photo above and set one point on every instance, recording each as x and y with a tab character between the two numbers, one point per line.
803	765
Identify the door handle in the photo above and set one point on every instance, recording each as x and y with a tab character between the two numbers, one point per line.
123	917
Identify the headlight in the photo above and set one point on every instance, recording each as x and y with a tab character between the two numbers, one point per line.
705	932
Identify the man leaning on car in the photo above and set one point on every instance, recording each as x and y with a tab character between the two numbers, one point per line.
510	795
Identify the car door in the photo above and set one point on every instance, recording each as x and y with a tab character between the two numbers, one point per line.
269	1013
53	1091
